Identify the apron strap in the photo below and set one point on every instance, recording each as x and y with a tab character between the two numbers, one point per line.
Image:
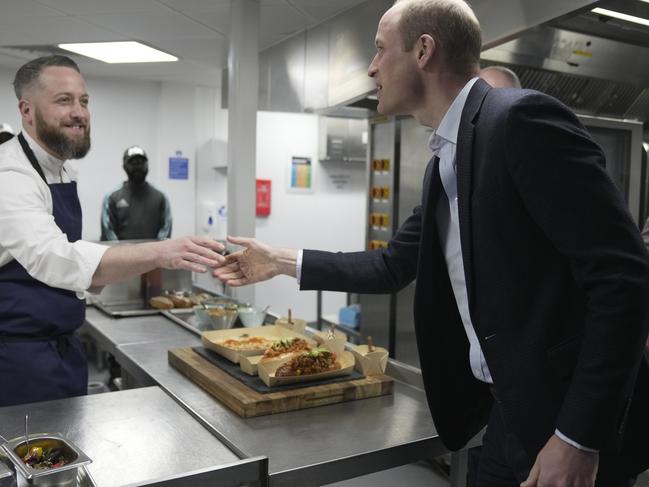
30	156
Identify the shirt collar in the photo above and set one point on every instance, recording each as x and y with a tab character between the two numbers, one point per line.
43	157
450	124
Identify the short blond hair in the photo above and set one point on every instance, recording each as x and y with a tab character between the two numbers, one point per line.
451	23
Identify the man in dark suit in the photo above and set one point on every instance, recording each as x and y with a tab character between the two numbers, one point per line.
531	305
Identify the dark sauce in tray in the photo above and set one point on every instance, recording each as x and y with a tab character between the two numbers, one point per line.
45	454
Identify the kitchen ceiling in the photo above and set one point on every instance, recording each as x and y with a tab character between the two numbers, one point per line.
196	31
594	64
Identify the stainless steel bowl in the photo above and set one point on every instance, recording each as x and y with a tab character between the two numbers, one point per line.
203	318
65	475
222	316
218	301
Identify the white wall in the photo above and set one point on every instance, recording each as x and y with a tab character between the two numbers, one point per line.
8	103
325	219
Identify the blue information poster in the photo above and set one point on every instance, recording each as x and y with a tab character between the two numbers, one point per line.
178	167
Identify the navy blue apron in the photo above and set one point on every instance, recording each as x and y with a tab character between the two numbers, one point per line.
40	357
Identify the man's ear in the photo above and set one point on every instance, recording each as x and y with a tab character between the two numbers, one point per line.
425	48
26	110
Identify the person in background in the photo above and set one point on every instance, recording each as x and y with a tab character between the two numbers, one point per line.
136	210
500	77
6	132
45	266
532	279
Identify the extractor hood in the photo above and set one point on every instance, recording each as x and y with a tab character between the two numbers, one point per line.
600	70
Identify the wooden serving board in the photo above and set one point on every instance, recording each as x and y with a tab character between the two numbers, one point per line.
249	403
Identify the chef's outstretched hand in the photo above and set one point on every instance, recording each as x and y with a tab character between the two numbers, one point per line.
120	262
192	253
256	262
559	464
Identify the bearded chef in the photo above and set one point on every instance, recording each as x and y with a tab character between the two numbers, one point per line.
45	267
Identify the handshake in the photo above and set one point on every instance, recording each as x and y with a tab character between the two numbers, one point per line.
255	262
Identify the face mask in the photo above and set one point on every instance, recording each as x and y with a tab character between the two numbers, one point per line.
136	168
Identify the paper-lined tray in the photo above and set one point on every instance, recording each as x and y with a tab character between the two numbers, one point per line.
217	340
267	369
249	364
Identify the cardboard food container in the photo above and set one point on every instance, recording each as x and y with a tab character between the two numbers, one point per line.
267	370
322	336
214	339
295	324
336	345
249	363
370	363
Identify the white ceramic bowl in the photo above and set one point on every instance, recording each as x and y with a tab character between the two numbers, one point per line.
251	316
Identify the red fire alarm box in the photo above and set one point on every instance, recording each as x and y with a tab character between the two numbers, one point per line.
263	197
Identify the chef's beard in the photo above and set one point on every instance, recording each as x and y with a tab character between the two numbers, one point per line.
59	143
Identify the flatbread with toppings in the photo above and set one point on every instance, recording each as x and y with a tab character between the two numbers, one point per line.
247	344
287	345
314	362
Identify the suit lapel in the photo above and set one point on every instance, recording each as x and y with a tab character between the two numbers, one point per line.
431	193
431	188
429	258
464	159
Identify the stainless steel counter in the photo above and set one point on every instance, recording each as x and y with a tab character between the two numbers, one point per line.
310	447
111	333
137	436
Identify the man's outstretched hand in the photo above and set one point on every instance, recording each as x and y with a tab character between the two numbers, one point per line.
256	262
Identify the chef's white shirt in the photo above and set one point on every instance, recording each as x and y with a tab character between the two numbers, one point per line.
28	232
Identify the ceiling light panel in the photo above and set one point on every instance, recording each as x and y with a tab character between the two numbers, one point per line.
119	52
621	16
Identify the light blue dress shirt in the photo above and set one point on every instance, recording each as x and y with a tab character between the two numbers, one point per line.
443	144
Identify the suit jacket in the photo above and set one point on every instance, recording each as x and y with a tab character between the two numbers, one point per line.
557	278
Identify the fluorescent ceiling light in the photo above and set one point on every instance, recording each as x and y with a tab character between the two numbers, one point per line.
621	16
119	52
646	1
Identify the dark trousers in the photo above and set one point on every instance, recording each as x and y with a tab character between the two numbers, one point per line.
502	461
